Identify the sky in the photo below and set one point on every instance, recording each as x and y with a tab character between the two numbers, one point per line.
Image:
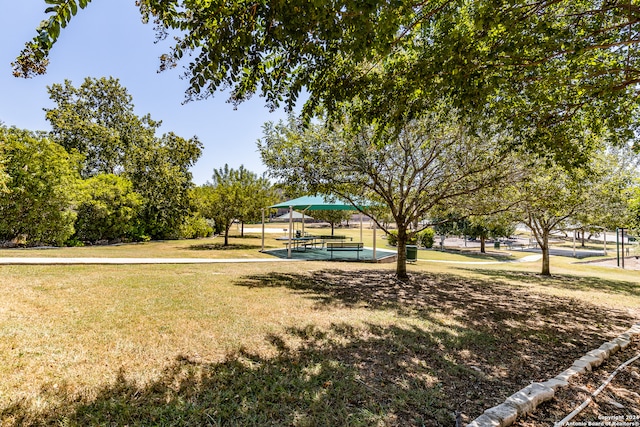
108	39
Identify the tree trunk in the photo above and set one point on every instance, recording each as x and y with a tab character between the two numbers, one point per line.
242	229
583	233
483	248
226	235
545	261
544	247
401	266
332	228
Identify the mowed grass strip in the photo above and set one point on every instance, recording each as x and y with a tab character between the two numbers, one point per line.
311	343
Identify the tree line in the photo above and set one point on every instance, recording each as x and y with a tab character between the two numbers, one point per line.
103	175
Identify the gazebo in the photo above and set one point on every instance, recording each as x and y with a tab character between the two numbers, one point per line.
316	203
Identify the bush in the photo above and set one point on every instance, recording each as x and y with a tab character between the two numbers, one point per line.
392	238
109	210
195	226
427	237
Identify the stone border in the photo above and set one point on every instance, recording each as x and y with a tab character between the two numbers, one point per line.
527	400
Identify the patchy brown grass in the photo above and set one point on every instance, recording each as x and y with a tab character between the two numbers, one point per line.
287	344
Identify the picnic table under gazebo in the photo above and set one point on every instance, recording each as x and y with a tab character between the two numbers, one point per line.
328	244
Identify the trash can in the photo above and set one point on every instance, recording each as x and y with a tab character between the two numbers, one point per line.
496	245
412	253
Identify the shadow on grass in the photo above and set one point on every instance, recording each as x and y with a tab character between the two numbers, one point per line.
511	335
337	376
458	344
566	281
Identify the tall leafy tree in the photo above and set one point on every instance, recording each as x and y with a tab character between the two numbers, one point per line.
424	164
42	187
97	120
160	173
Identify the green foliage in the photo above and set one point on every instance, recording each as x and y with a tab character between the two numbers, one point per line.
634	207
429	162
160	173
532	65
392	237
109	210
97	120
233	195
195	226
426	237
42	188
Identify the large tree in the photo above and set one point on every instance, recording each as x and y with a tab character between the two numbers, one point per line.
426	163
97	120
160	173
533	64
38	204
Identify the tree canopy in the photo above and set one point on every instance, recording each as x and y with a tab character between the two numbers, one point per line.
533	64
42	189
426	163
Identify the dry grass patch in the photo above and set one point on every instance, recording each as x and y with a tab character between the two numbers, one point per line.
282	344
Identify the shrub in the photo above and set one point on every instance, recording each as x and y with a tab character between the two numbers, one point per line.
392	238
427	237
195	226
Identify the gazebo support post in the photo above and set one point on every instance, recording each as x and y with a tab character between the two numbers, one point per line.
262	250
374	242
361	227
290	231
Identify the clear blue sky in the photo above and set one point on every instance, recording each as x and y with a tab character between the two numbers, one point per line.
109	39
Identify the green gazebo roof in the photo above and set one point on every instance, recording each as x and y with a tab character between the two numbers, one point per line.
316	203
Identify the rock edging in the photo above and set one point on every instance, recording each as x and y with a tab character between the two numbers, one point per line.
527	400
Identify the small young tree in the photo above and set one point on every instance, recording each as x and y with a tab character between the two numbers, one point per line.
234	195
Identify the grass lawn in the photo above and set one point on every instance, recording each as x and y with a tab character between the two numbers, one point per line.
313	343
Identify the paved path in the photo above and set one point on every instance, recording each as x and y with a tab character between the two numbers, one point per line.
69	261
116	261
